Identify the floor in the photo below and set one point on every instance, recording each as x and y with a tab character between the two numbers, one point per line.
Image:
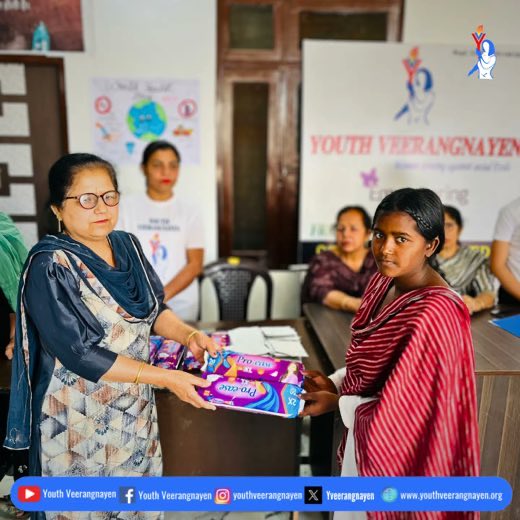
6	483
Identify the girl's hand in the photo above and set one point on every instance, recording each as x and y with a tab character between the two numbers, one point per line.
183	386
315	381
318	403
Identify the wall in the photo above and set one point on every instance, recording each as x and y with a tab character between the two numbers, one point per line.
453	21
150	39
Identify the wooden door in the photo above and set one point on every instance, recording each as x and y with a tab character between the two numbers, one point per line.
33	134
258	113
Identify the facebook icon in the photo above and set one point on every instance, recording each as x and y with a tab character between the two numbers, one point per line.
127	495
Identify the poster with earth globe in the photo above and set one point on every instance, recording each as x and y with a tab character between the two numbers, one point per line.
130	113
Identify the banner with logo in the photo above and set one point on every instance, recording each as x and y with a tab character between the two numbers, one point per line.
382	116
261	494
127	114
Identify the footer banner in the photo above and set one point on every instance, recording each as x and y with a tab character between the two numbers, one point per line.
261	494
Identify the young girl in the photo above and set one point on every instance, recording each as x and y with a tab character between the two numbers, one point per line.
408	396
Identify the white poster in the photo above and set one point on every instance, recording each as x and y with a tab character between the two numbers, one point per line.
127	114
381	116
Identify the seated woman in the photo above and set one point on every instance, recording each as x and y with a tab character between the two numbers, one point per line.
465	269
408	396
337	278
505	253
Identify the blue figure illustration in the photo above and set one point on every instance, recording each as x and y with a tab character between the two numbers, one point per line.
420	97
159	252
226	359
486	60
270	402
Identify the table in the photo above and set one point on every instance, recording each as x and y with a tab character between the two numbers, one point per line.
497	368
225	442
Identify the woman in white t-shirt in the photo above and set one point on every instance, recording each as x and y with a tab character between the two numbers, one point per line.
169	229
505	253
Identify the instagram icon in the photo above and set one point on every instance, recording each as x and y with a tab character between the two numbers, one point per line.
222	496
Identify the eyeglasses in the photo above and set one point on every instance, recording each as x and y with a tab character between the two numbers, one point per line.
90	200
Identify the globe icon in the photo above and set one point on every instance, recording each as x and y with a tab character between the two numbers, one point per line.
146	120
389	494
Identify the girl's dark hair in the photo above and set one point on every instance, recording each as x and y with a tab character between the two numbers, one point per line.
423	205
454	213
364	215
159	145
62	172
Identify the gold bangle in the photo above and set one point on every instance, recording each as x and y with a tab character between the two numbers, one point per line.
190	335
141	366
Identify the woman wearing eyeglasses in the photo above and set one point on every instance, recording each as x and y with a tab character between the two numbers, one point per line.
337	278
82	395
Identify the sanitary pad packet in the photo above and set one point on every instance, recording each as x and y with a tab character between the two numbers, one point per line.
263	368
166	353
253	396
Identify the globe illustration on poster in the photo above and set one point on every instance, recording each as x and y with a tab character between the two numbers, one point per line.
146	120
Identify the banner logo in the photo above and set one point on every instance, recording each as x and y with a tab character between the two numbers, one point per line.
420	91
370	178
222	496
313	495
485	50
389	494
29	494
127	495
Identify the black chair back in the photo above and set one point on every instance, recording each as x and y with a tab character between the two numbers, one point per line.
233	281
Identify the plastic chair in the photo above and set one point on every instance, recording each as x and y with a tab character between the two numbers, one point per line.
232	280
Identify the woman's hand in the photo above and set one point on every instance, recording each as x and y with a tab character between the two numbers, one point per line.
318	403
199	343
183	386
471	304
9	349
315	381
341	301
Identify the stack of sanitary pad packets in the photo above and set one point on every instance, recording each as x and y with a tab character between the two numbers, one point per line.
250	383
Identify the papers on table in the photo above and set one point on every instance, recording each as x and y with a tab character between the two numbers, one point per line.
273	341
247	340
283	331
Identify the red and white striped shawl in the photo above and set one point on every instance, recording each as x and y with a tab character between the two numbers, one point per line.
417	357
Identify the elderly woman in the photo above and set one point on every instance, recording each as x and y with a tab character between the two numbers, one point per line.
82	395
337	278
465	269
